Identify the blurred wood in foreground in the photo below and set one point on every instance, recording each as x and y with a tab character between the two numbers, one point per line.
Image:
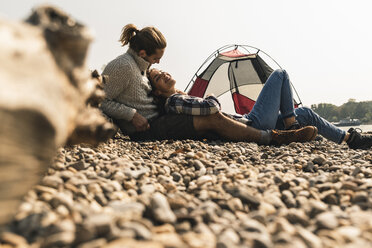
47	98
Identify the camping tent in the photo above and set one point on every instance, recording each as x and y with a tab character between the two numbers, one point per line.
237	71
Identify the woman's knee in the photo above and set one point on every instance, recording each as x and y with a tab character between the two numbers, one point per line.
281	73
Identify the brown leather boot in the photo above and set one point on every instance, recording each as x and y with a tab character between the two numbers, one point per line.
283	137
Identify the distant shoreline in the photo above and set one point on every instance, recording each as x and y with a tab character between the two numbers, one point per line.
364	127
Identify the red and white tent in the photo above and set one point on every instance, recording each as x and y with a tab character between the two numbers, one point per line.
236	70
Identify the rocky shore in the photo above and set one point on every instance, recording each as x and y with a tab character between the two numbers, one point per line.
199	194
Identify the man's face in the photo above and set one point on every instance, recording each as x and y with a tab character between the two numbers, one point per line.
161	81
155	58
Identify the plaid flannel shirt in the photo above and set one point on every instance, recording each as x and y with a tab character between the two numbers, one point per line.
191	105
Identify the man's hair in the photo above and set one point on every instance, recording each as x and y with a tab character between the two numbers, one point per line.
148	39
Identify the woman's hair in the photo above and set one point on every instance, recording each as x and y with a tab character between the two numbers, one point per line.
148	39
159	101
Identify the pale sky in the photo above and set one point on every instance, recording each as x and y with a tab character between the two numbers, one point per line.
325	45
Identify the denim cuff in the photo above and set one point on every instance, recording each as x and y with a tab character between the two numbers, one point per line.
342	137
289	115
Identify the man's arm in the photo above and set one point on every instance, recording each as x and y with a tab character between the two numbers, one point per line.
117	110
191	105
121	111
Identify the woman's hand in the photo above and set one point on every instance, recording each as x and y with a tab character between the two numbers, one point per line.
140	123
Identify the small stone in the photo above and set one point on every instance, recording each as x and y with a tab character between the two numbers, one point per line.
204	179
235	204
199	239
132	243
101	199
198	164
229	236
284	186
166	228
288	199
176	176
183	227
97	243
43	189
126	209
12	239
169	239
148	189
278	180
356	171
240	160
140	230
267	208
161	209
62	198
190	155
349	185
309	167
297	216
62	211
52	181
320	160
246	197
252	225
262	241
330	198
80	165
274	200
94	188
326	220
282	225
100	223
316	207
350	233
200	154
310	239
360	197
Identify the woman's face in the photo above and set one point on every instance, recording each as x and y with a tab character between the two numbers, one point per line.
161	81
155	58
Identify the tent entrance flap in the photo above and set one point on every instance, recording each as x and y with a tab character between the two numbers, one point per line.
242	104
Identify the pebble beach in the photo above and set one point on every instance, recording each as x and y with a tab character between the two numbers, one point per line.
199	194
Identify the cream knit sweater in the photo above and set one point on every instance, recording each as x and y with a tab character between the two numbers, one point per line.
127	88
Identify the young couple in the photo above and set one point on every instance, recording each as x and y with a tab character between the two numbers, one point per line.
129	101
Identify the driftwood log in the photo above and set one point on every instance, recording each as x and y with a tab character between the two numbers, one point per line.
47	98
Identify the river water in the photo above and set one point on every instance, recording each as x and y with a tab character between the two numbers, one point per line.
365	128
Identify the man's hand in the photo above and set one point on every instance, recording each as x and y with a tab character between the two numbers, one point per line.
140	123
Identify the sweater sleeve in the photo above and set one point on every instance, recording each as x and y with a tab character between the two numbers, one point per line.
118	78
117	110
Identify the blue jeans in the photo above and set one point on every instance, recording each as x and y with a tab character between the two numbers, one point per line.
275	103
